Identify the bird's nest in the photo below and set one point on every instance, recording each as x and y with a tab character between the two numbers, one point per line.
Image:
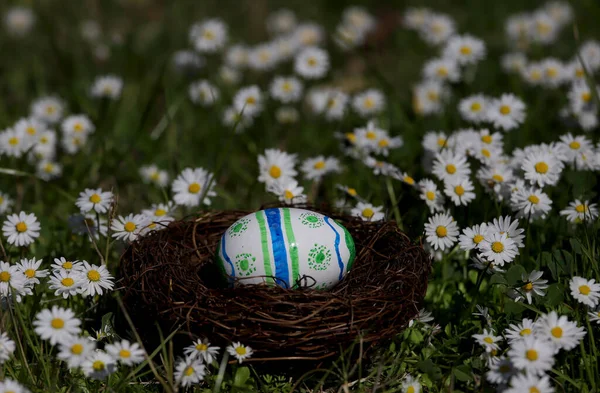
169	277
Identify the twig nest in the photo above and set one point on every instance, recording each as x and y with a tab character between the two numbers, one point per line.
172	277
289	247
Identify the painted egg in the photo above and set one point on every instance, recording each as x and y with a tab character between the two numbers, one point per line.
288	247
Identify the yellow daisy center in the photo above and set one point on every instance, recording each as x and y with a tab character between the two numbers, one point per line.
287	87
275	172
488	340
95	198
584	290
477	239
574	145
288	194
371	135
409	180
78	127
579	73
383	143
552	72
124	353
351	137
586	97
50	109
240	350
21	227
465	50
505	109
497	247
351	191
486	153
580	208
441	142
451	169
541	167
57	323
77	349
319	164
67	281
528	287
486	139
432	95
410	389
459	190
531	354
48	168
208	35
194	188
533	389
442	71
43	140
13	141
129	226
188	371
368	213
498	178
67	265
525	332
154	176
31	130
98	365
369	103
533	199
311	61
250	100
30	273
5	276
556	332
93	275
201	347
430	195
441	231
160	212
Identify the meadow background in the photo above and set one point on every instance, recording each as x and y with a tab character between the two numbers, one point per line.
154	122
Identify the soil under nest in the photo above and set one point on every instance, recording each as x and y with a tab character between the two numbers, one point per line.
169	277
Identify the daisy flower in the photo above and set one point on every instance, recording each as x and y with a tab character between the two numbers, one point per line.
229	76
532	284
234	120
108	86
125	352
6	203
96	279
516	332
473	108
498	248
189	371
48	109
276	165
30	128
248	101
532	355
56	324
287	115
531	203
438	28
520	383
7	347
460	191
434	142
282	21
571	146
286	89
12	280
62	264
73	143
472	237
488	340
541	169
533	74
99	365
429	97
288	191
19	20
585	291
159	213
594	316
367	212
501	370
13	143
66	283
486	266
312	63
430	194
514	62
561	332
75	350
441	231
190	185
451	167
21	229
505	225
240	351
317	167
88	224
368	103
330	102
10	386
507	112
31	270
263	57
187	61
415	18
580	211
309	34
77	125
465	49
208	36
442	69
580	97
94	199
129	228
411	385
204	93
554	72
203	350
543	28
236	56
153	175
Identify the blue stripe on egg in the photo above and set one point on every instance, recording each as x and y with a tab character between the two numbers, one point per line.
226	257
278	245
337	247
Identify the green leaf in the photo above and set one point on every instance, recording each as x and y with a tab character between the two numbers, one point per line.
463	373
448	330
513	308
575	245
555	295
416	337
241	376
429	368
513	275
498	278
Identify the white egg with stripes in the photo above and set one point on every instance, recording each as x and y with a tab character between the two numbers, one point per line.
289	247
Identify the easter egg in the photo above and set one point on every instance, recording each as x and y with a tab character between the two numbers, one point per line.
288	247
